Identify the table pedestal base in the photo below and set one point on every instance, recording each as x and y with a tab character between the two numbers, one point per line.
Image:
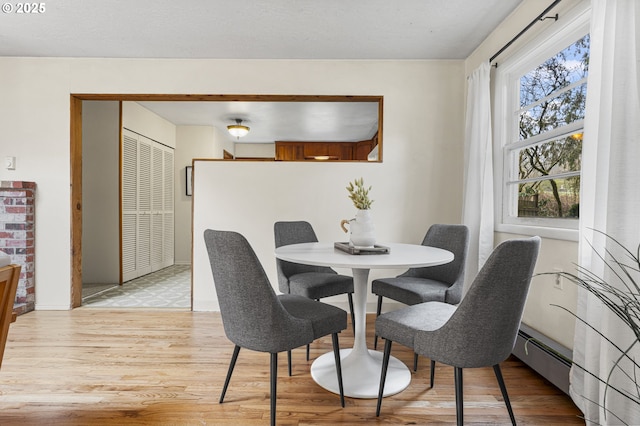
360	374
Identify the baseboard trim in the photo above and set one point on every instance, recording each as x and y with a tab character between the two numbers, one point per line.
547	357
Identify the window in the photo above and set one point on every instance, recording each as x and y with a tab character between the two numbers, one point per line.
540	109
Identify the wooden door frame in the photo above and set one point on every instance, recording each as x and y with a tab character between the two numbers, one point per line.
76	200
76	151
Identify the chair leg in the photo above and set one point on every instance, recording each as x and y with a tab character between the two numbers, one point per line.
274	377
378	310
383	373
353	314
503	389
432	374
317	300
459	402
234	358
336	354
415	361
289	361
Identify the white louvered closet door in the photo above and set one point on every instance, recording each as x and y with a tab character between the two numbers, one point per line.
147	212
129	206
168	208
143	239
157	193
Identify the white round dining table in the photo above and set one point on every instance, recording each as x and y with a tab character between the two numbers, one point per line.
361	367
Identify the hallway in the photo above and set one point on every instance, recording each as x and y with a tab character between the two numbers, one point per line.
167	288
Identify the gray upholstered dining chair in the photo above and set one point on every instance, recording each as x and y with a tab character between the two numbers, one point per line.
441	283
254	317
314	282
480	332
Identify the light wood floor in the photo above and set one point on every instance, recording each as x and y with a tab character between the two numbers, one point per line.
167	367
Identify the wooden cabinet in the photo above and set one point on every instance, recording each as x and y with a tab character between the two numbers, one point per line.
334	151
289	151
310	151
362	150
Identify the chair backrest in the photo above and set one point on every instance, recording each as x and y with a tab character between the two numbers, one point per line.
252	315
9	276
454	238
294	232
483	330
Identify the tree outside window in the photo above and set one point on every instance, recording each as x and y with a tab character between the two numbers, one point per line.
550	125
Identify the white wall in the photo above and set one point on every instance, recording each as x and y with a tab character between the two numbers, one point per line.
191	142
423	131
137	118
418	184
100	194
540	311
255	150
32	118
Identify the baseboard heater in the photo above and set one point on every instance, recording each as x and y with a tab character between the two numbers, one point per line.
547	357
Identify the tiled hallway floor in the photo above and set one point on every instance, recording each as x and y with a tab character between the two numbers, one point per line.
167	288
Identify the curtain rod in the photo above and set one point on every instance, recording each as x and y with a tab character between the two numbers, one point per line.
540	17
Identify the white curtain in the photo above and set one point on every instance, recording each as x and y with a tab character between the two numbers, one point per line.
477	208
610	202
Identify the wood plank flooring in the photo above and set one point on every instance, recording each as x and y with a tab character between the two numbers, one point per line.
167	367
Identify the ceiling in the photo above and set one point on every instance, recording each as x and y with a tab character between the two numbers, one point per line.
278	121
251	29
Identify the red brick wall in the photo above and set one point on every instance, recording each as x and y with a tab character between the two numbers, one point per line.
17	237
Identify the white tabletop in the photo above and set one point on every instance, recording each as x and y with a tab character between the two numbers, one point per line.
399	256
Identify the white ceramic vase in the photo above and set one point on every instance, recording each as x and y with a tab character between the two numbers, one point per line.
362	231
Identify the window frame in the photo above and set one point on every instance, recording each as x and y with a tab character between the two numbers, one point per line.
549	42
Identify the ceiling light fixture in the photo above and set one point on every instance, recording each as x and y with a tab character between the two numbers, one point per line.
238	130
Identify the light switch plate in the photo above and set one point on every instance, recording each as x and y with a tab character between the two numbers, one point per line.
10	163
